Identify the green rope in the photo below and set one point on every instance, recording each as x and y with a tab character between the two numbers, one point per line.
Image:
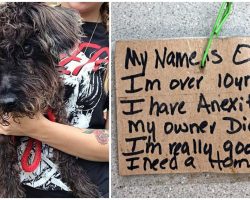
224	12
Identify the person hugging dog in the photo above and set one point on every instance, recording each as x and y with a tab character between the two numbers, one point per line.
53	94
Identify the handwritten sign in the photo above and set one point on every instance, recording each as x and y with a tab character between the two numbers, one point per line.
173	117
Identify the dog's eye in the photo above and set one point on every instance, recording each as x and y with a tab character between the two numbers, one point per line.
27	49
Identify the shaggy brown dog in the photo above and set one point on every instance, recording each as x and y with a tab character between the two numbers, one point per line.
32	35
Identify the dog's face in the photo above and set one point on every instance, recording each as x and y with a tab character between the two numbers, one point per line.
32	35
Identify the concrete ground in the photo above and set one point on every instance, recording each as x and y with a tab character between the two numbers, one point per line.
172	20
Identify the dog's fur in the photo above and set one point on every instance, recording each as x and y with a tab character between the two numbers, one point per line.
32	35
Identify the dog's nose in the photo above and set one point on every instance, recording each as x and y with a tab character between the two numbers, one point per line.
8	100
5	81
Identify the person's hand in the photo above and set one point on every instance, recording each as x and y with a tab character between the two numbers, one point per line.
24	126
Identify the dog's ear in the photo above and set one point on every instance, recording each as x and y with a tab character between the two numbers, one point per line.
59	27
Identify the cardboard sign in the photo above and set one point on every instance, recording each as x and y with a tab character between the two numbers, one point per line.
172	116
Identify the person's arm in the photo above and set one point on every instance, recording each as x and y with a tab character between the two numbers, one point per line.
89	144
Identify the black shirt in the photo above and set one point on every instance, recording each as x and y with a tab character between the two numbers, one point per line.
98	171
86	101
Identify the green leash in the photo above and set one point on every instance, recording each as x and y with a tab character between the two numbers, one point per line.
224	12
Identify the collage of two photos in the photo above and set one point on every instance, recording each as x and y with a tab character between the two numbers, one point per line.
124	99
